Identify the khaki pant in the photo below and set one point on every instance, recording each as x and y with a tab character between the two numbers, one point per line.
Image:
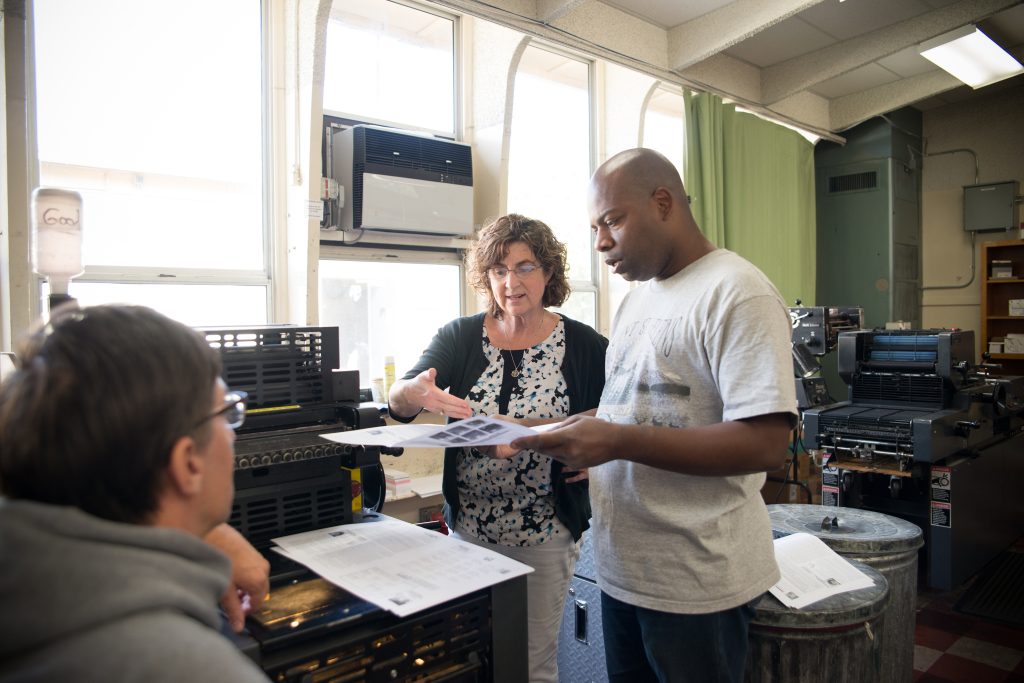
546	589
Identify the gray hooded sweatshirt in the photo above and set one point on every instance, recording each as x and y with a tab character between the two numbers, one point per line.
84	599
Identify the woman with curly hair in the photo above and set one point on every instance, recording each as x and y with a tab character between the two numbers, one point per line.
520	360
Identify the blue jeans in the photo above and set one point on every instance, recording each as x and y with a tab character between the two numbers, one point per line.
645	645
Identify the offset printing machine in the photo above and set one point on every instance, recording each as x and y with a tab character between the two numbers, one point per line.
288	480
927	437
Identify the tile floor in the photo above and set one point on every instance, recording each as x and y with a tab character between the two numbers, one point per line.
951	647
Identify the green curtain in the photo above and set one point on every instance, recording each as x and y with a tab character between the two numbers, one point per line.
752	187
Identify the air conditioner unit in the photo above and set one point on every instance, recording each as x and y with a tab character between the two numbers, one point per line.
402	182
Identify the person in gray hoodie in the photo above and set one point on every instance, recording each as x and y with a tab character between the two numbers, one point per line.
116	462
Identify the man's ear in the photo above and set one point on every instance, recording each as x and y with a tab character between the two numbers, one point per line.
663	200
185	468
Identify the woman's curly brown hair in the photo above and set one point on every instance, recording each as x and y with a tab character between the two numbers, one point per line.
491	246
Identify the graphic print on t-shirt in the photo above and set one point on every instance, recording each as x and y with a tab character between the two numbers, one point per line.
642	387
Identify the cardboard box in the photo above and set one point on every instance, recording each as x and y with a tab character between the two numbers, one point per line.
1002	268
1016	306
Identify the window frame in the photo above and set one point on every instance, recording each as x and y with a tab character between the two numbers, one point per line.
127	274
593	123
411	248
353	118
397	254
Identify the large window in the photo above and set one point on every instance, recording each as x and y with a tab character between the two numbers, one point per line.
549	161
386	308
664	125
154	113
390	63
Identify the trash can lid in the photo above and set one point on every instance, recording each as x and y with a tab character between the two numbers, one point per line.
847	530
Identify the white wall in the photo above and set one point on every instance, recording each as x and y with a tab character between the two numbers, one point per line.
990	128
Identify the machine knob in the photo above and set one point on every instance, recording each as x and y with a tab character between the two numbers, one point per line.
963	427
895	484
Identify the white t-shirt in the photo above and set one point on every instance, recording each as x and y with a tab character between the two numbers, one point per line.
709	344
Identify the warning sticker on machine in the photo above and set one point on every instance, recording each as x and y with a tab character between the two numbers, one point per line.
941	514
830	495
829	476
941	478
829	485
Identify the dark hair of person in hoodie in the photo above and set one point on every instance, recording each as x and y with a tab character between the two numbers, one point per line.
99	397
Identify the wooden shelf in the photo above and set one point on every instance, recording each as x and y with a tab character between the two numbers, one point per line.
996	293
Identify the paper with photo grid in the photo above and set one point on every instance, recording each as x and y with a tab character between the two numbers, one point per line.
474	431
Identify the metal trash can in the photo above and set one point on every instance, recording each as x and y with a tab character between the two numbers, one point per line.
835	639
889	545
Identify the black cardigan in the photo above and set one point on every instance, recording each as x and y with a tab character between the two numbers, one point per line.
456	352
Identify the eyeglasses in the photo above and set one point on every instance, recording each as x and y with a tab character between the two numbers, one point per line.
233	410
521	271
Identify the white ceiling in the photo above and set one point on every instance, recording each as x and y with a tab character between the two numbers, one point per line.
825	64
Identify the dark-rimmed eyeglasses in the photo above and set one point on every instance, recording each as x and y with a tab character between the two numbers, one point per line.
522	270
233	410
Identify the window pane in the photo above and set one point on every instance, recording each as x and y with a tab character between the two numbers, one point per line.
386	309
581	306
390	63
549	151
197	305
156	118
664	129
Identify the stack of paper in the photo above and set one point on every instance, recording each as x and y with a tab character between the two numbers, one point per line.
811	571
398	566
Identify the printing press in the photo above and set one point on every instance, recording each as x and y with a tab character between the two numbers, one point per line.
288	480
927	437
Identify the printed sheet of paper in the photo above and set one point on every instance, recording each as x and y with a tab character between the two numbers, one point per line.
811	571
398	566
474	431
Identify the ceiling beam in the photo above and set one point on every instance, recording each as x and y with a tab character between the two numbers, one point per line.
550	10
854	108
800	73
709	34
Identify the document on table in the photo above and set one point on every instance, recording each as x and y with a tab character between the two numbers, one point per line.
811	571
398	566
474	431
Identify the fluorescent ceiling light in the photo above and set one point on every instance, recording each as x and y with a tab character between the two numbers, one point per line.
971	56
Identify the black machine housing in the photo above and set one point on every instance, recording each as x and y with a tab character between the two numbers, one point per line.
288	479
927	437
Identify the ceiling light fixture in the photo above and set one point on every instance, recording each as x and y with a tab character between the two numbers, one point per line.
970	56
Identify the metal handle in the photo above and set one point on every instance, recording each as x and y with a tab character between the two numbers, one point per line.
581	620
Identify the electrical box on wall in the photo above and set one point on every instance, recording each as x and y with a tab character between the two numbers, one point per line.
992	206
